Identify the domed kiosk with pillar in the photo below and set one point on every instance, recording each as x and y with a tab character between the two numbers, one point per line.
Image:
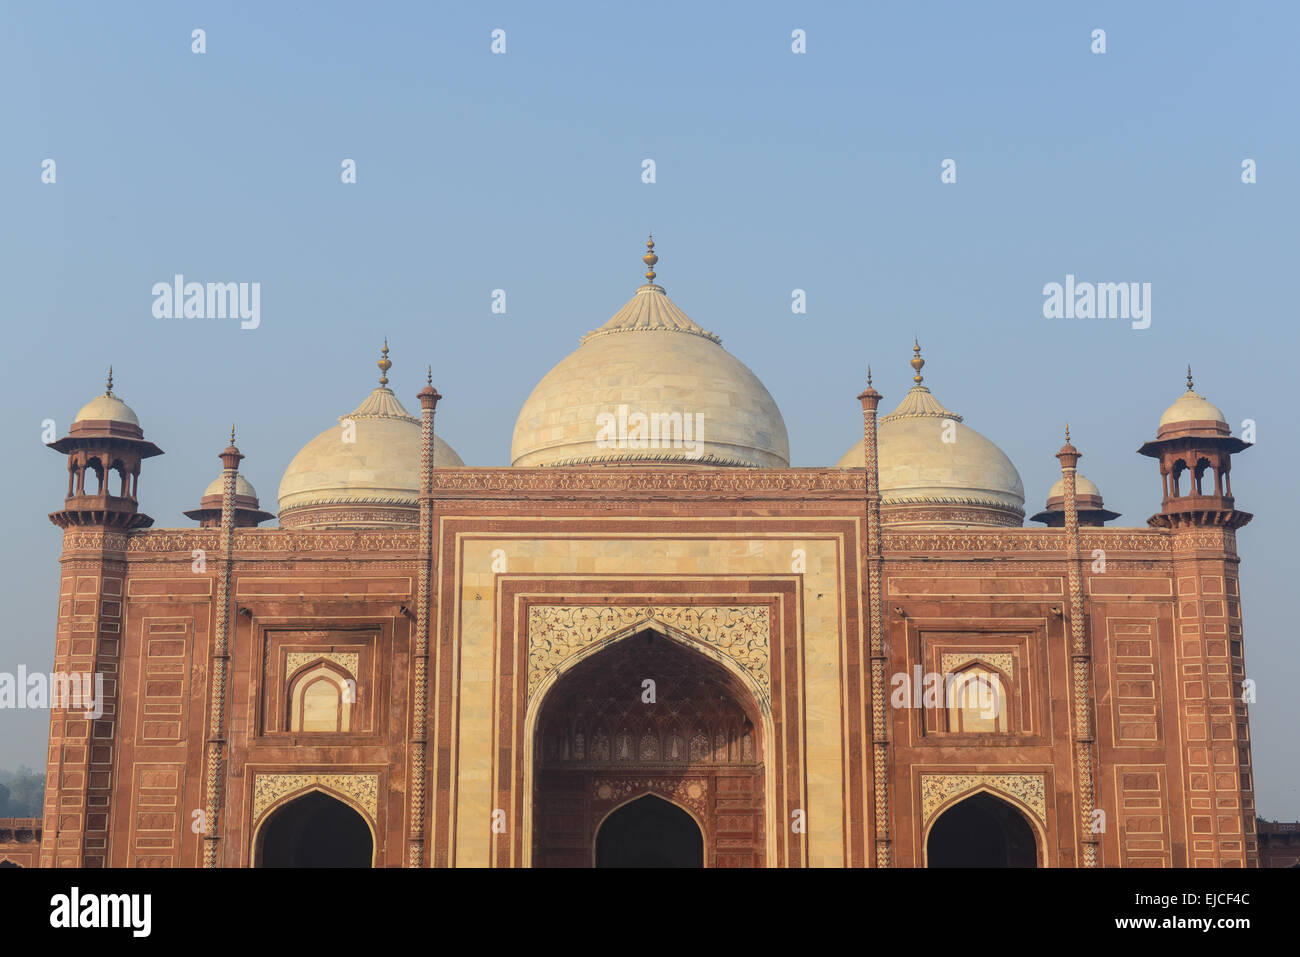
651	640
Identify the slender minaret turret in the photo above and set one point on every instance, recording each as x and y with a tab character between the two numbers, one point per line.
419	710
873	560
1081	691
214	786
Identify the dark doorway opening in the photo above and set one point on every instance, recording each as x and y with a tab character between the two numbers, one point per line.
649	832
316	831
9	864
982	831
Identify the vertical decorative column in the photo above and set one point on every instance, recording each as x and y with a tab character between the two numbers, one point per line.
216	743
419	706
1080	659
874	561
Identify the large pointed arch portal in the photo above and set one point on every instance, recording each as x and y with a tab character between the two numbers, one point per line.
648	753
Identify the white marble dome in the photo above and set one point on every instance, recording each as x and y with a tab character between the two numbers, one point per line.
1082	487
1192	407
242	486
650	386
380	469
106	408
918	468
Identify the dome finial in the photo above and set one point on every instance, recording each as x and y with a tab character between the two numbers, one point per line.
429	378
1189	377
868	376
384	365
917	362
108	390
650	259
232	433
1067	433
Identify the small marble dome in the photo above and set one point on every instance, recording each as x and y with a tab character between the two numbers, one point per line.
1088	503
925	480
1192	413
1083	488
650	386
363	472
248	510
107	408
243	487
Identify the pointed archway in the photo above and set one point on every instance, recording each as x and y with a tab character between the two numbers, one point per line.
649	832
648	715
981	831
315	830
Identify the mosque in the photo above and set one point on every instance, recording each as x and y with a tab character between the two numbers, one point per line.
656	644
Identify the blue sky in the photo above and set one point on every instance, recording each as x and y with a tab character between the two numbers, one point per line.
775	171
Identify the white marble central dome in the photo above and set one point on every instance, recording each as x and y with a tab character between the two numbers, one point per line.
650	387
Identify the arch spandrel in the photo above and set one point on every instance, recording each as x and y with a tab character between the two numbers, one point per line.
940	791
737	636
273	790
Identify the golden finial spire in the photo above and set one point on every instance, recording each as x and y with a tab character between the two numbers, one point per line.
868	377
917	362
650	259
384	365
1067	433
429	378
1189	377
232	433
108	390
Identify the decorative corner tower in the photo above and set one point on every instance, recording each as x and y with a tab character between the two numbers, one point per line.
106	445
1194	445
104	442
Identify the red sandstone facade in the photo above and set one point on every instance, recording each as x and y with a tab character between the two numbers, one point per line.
1166	756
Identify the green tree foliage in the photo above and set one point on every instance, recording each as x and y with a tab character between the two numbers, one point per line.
22	793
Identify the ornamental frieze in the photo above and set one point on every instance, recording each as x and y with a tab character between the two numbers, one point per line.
1023	540
1029	789
557	632
361	788
646	480
94	540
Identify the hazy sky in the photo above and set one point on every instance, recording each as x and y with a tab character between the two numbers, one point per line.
775	172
